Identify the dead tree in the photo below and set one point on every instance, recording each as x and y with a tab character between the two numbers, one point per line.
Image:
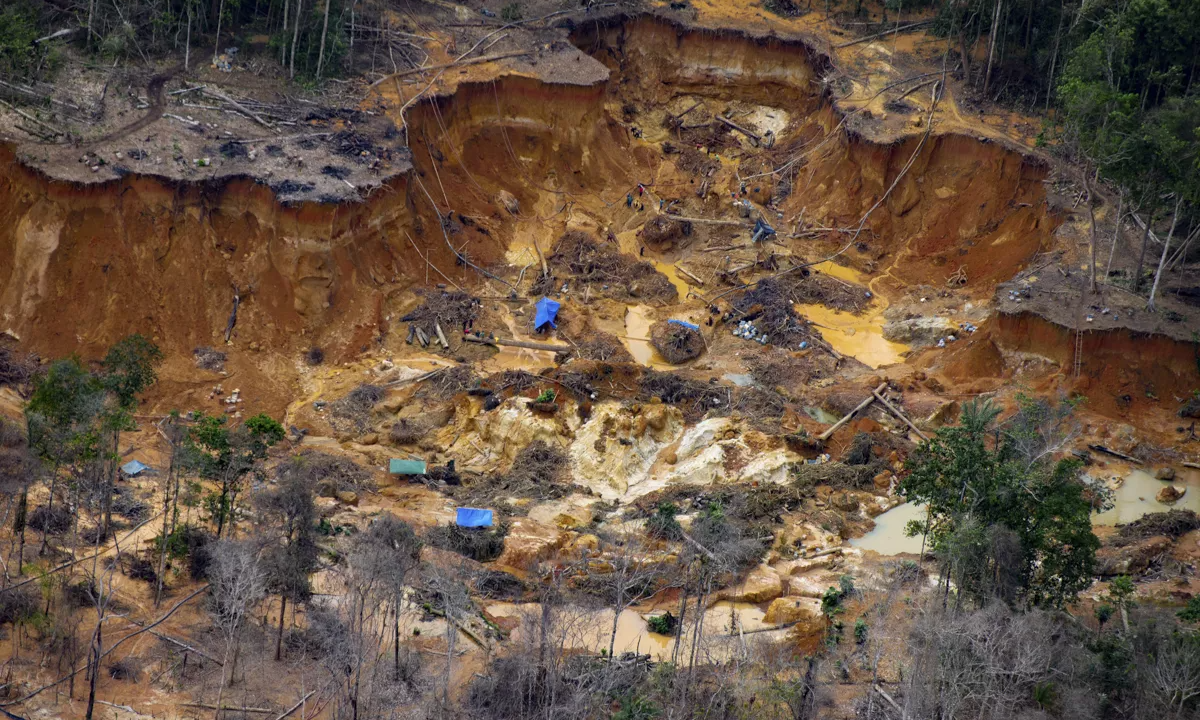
238	584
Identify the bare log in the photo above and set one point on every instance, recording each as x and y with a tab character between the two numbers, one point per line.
896	411
753	136
295	707
885	33
445	66
517	343
1114	453
861	406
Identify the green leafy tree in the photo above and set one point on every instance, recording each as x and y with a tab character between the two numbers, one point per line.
227	455
1003	524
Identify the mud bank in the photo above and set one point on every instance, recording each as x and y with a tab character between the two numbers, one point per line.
1121	371
143	254
86	264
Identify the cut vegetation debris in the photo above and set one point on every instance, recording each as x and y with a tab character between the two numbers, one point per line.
676	343
441	316
578	257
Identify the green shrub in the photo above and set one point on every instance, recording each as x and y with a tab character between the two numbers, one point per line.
663	525
663	624
511	12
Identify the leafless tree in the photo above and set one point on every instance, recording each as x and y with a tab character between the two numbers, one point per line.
238	584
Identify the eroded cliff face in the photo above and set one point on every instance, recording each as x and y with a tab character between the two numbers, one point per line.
88	264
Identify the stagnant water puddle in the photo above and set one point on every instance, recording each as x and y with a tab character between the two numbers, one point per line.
1133	499
722	635
857	336
888	537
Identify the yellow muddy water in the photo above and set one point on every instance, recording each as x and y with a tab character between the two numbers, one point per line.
857	336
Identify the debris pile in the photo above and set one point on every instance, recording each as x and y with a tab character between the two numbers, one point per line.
441	315
606	269
677	343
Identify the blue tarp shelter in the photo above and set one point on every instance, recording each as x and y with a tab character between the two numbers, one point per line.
547	311
684	323
396	466
473	517
762	231
133	468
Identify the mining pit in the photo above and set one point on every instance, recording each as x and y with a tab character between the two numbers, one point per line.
623	174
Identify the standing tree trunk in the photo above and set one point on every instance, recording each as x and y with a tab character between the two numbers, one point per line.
987	75
324	32
19	528
283	45
217	41
295	39
279	637
1137	276
1166	249
1116	235
97	643
1087	186
187	46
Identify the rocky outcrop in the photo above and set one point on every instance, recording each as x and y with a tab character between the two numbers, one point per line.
1170	494
792	609
529	542
763	584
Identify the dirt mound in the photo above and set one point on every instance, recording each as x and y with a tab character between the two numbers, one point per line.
1172	524
608	271
778	368
676	343
15	369
539	472
664	233
209	359
693	397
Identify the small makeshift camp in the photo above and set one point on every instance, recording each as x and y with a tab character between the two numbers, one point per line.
133	468
547	311
473	517
396	466
762	231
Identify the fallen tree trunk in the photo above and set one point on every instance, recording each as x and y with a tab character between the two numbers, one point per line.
444	66
895	411
1114	453
753	136
861	406
517	343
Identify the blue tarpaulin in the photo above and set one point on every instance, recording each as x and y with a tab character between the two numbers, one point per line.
396	466
685	323
547	311
134	468
762	231
473	517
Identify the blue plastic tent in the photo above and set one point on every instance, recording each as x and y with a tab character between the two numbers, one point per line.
684	323
133	468
762	231
473	517
547	311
